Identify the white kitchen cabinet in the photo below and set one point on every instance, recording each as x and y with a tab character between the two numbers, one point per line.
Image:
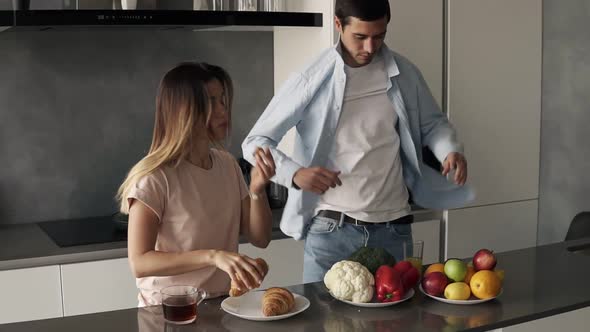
98	286
499	227
284	258
494	94
425	49
429	232
30	294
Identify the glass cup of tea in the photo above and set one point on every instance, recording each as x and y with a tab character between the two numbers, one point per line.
179	303
413	252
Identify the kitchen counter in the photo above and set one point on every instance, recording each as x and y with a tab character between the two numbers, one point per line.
27	245
540	282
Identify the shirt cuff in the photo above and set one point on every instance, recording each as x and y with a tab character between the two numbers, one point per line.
286	172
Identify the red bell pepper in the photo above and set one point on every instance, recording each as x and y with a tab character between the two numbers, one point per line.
388	284
409	274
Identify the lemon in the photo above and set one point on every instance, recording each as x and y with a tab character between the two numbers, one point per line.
457	291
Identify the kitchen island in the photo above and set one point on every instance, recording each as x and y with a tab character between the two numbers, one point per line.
540	282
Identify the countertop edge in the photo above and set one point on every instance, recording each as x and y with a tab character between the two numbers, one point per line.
88	256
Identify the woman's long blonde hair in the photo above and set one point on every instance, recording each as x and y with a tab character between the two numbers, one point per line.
182	104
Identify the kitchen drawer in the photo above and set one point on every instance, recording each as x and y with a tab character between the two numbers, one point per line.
98	286
30	294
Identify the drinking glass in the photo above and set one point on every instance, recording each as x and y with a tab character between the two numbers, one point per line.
179	303
413	252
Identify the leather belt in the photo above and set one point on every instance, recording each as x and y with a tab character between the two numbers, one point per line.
335	215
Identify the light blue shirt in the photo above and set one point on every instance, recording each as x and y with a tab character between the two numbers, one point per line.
311	101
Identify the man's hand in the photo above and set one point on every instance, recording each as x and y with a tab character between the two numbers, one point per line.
316	179
456	161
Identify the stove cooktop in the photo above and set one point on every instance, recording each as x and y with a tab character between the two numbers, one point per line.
75	232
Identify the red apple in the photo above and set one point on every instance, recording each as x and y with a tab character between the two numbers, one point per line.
484	259
434	283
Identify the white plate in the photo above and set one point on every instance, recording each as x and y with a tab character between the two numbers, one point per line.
375	304
249	306
471	300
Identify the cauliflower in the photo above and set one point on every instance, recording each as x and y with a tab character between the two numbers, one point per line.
350	281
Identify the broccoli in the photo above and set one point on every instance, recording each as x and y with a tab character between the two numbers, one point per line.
372	258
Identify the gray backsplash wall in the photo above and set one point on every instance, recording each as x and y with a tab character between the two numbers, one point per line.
77	109
565	136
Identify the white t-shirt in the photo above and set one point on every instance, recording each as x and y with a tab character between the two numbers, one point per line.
366	151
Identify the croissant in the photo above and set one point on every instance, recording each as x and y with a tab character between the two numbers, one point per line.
277	301
234	291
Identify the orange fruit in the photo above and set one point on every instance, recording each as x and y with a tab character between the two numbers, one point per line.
436	267
470	273
485	284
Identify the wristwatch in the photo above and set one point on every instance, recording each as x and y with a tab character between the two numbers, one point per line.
254	196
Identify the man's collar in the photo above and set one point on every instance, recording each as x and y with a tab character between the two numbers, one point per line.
385	53
390	63
338	48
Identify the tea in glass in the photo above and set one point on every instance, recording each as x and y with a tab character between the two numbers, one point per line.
179	303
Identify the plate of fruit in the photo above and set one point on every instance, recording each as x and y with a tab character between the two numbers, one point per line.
458	282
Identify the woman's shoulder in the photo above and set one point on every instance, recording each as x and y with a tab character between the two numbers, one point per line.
155	178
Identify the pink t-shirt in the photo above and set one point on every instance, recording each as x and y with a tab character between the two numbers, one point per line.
197	209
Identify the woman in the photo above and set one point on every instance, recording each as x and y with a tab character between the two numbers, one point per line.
188	202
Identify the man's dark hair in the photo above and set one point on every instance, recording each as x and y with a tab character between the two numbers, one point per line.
364	10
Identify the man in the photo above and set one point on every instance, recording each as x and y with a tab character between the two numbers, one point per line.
362	115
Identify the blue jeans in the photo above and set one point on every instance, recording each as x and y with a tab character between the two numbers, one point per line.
329	241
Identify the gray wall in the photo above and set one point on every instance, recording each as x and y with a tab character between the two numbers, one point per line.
77	109
565	126
6	5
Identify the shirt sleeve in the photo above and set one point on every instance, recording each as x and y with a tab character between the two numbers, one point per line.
283	112
151	190
437	132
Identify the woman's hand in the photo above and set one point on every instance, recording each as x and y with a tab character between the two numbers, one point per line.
263	171
244	271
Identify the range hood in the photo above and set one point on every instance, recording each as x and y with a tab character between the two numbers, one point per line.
193	14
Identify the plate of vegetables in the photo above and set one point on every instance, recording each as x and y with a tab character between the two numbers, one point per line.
375	303
352	283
